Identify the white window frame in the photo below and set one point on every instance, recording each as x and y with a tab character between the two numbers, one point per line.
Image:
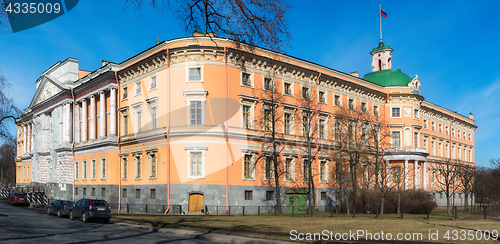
308	91
353	103
153	105
361	107
376	110
252	165
292	167
400	112
138	163
415	113
137	84
77	175
340	100
124	168
272	168
325	129
326	96
401	141
195	95
202	71
252	75
252	105
137	124
150	153
150	79
125	87
93	168
103	166
291	88
196	148
84	169
273	83
326	171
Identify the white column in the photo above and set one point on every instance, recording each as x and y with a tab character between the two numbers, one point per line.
76	125
84	119
32	125
67	122
387	178
406	174
102	110
416	174
112	116
25	134
425	174
92	117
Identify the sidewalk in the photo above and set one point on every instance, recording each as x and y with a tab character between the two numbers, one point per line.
204	236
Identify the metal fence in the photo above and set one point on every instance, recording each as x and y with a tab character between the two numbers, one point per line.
32	197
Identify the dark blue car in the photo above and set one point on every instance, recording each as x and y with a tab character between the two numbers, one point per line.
90	209
60	207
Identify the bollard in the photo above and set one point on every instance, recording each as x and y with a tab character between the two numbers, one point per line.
243	210
127	209
180	209
376	212
484	211
229	210
146	208
217	209
258	210
401	210
293	210
353	211
427	211
163	209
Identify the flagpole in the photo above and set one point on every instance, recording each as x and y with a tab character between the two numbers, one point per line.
380	15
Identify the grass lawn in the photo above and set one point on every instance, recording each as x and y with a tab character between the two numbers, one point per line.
280	227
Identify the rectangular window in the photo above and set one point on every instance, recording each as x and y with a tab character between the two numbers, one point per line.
124	168
268	84
322	130
267	120
76	170
76	190
195	113
453	132
269	195
269	168
248	195
396	173
463	136
375	111
94	172
440	126
124	193
138	88
470	155
152	165
84	191
305	93
440	149
433	127
434	178
137	193
93	192
152	193
470	137
337	100
246	117
322	171
323	195
337	131
195	74
395	139
305	126
196	164
245	79
433	147
124	93
84	169
125	125
103	168
364	107
288	169
415	113
458	134
138	166
305	168
248	166
154	115
139	121
396	112
425	124
425	144
288	89
446	131
103	192
415	139
152	82
322	97
287	123
351	104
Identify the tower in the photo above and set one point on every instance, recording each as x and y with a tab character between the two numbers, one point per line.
381	57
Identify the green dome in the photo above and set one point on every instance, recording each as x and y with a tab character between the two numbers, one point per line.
388	77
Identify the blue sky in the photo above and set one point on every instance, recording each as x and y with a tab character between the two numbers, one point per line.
451	45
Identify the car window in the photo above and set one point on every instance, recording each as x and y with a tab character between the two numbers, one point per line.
79	203
99	203
19	195
67	202
87	202
56	202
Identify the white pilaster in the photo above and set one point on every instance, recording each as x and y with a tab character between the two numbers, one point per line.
112	107
67	122
76	125
406	174
425	174
415	170
92	117
25	144
84	120
32	125
102	116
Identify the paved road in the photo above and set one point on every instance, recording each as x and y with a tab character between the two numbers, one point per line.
18	225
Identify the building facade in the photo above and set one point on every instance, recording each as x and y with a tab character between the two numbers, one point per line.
187	122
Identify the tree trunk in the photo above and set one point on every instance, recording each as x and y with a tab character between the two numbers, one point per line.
448	210
382	200
399	201
466	205
347	203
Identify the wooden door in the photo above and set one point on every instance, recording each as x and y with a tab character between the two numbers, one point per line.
196	203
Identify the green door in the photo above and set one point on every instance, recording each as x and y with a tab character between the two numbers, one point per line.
297	200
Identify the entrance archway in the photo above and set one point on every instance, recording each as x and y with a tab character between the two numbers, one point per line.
196	202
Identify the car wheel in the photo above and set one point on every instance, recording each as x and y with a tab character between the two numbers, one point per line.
59	215
106	221
71	215
48	211
84	217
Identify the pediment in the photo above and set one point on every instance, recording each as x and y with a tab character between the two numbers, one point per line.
47	89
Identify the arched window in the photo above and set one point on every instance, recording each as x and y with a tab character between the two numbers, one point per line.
379	64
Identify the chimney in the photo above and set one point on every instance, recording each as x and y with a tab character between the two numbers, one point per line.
104	63
471	116
355	73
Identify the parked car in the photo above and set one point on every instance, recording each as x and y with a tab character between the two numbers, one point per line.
17	198
90	209
60	207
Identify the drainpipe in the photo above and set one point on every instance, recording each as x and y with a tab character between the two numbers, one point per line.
227	141
168	133
119	149
474	147
73	139
452	197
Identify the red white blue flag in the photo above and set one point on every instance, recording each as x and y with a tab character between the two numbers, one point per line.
383	13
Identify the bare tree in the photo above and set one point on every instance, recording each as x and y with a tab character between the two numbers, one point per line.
8	160
257	22
465	177
446	181
8	111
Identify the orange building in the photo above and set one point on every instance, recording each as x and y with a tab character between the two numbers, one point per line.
187	123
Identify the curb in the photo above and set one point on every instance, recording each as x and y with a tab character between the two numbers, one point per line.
204	236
